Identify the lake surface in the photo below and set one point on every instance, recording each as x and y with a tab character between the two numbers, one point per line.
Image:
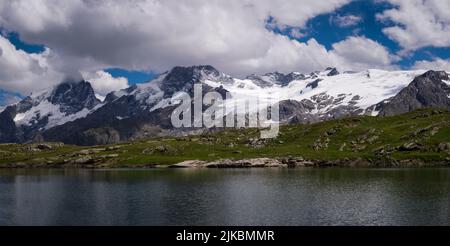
225	197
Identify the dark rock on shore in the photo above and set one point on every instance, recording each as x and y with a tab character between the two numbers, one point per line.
257	162
293	162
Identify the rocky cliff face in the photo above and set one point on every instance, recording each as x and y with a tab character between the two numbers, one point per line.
183	78
8	130
275	78
432	89
73	97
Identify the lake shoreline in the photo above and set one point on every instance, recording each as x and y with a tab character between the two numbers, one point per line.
415	139
280	162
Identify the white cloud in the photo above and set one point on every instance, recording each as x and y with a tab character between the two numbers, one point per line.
159	34
86	36
296	33
436	64
103	82
23	72
358	53
353	53
346	20
418	23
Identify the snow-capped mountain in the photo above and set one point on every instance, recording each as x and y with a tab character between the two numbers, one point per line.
156	94
71	112
65	102
323	95
140	110
41	111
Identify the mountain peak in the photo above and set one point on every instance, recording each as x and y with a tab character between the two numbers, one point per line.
275	78
435	75
64	102
426	90
194	69
183	78
74	96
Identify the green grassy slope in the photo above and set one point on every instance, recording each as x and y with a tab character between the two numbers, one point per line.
421	135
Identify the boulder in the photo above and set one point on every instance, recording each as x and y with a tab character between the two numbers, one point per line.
91	151
292	162
257	142
444	147
111	148
85	160
410	146
189	164
342	148
44	146
161	149
109	156
248	163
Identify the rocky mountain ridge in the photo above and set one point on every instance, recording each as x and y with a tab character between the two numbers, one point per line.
71	113
38	112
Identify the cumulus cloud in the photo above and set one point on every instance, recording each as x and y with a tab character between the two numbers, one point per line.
85	36
436	64
353	53
418	23
358	53
25	72
103	82
159	34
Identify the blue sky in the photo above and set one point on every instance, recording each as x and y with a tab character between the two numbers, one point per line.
7	97
327	32
14	38
328	26
134	77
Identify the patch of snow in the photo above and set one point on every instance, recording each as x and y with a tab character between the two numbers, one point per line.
100	97
44	108
161	104
61	119
120	93
374	113
53	112
147	93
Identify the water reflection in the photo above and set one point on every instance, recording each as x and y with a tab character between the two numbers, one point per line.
225	197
